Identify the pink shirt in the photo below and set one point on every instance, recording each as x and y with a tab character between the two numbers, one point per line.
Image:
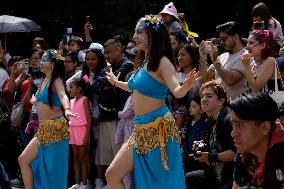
77	106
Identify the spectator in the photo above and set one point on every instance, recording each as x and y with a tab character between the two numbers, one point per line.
80	130
188	59
76	46
260	12
94	64
178	40
170	16
194	130
260	73
259	140
39	43
220	150
19	82
70	64
131	44
226	68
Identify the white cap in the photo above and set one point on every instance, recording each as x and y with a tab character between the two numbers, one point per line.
97	46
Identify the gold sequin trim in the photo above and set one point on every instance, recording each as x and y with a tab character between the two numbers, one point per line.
146	137
51	131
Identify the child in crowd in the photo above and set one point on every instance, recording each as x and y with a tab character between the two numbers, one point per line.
170	16
76	46
195	127
80	132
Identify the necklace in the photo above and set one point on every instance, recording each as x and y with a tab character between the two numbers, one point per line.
257	66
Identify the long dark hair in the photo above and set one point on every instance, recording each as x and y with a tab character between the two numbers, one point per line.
79	82
160	46
57	73
264	13
101	64
194	53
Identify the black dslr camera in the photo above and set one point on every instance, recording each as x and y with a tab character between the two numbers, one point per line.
201	147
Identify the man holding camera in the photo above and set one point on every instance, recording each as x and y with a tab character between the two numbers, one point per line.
259	138
220	150
226	68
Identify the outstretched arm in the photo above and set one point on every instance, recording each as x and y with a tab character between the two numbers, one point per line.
113	79
60	90
168	73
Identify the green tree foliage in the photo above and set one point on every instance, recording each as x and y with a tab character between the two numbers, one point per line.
112	17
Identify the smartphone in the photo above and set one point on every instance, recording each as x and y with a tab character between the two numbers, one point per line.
88	20
259	25
207	46
23	65
66	39
68	31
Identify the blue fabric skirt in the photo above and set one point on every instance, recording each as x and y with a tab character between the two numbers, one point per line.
51	166
148	169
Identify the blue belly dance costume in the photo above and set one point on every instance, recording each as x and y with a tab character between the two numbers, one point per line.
155	140
50	168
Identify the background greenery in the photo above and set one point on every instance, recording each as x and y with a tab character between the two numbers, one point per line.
111	17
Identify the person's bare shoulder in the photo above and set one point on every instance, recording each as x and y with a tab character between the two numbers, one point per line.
165	63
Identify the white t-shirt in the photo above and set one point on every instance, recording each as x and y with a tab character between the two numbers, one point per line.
232	62
3	77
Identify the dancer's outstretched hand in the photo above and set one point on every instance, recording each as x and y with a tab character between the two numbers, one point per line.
191	78
69	114
111	77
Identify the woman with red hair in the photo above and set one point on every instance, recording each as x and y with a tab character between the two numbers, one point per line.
260	72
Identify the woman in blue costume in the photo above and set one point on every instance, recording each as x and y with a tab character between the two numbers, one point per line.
152	153
44	162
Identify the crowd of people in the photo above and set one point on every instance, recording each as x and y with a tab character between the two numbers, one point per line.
156	111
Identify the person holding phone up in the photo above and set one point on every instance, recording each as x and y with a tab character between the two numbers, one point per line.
226	68
88	28
260	13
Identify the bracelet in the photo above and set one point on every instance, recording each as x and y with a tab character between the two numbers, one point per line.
213	157
66	108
